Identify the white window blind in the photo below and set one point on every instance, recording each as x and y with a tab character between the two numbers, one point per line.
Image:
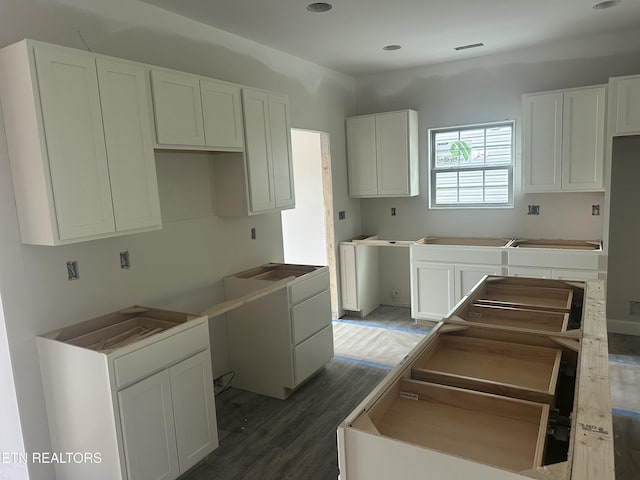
472	166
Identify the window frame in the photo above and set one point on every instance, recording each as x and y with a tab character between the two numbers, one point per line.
432	170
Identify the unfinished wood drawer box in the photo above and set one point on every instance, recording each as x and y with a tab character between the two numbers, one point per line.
528	296
521	371
490	429
548	321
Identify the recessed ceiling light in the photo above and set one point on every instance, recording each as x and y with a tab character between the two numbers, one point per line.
606	4
319	7
390	48
471	45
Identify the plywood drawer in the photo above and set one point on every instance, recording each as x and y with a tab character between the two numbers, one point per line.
313	353
310	316
541	320
521	371
161	354
502	432
522	295
308	286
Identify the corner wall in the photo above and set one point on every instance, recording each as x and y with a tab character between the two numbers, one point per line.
488	89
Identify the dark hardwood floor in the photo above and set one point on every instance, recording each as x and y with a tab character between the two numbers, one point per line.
267	439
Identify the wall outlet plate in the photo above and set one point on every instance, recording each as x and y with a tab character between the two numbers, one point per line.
72	270
342	215
534	210
125	262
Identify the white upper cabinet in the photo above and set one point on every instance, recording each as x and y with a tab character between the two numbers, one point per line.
178	108
280	130
626	93
382	154
542	142
222	115
127	133
361	156
189	111
268	151
72	183
563	140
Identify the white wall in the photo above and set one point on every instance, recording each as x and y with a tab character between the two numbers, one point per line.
304	231
624	232
482	90
181	266
10	434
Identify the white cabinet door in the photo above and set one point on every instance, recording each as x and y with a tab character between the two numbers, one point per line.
280	130
312	354
361	156
255	106
148	429
392	147
583	138
194	409
627	118
542	142
178	108
222	115
467	276
127	133
72	118
433	290
530	272
348	277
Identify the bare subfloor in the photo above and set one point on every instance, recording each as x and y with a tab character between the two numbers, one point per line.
267	439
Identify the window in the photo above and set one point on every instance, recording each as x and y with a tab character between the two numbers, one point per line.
471	166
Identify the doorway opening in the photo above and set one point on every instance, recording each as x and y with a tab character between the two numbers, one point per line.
308	230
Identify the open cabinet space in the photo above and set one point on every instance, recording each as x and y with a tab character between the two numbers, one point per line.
501	402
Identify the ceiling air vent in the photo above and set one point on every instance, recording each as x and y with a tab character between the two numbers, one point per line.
471	45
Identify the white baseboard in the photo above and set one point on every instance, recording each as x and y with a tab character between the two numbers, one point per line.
625	327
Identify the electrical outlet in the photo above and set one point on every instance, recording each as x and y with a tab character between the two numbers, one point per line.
342	215
634	308
253	233
534	210
125	262
72	270
595	209
393	211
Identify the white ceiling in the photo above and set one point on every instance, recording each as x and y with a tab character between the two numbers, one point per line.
349	38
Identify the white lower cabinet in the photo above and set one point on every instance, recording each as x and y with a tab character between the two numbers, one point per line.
561	264
467	276
135	386
359	284
441	275
278	341
148	431
433	289
168	420
437	287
